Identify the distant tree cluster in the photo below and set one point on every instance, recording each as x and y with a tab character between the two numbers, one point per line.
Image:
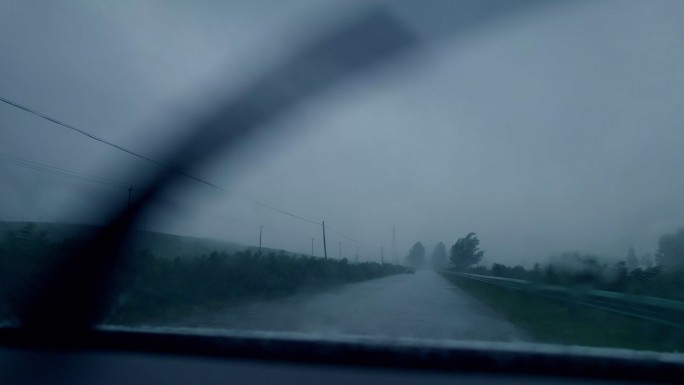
439	256
587	271
660	274
463	254
416	256
670	254
631	259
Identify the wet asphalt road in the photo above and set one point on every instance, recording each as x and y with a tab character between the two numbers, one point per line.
420	305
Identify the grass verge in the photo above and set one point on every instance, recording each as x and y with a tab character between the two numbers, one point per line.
558	322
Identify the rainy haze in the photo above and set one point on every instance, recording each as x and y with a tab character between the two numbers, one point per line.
301	167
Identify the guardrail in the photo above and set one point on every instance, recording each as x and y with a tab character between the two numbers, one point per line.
659	310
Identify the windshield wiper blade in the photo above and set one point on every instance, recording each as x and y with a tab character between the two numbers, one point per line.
77	294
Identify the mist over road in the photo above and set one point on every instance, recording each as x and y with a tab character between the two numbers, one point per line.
420	305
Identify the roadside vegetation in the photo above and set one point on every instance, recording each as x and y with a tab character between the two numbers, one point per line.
553	321
154	288
160	288
658	275
559	322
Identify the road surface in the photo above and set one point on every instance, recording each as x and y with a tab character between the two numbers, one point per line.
420	305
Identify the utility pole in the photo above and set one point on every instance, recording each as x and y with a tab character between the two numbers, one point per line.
325	250
382	257
261	228
394	243
340	250
130	193
312	247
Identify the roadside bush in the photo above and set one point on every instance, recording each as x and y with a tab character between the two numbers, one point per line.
156	287
151	287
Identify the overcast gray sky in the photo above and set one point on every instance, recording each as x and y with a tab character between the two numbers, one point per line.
554	130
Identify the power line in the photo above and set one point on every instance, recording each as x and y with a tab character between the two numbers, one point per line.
60	171
348	237
165	166
111	182
49	168
158	163
255	223
82	132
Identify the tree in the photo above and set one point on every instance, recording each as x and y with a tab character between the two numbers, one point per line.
631	259
439	256
671	250
465	252
416	256
574	268
536	272
647	261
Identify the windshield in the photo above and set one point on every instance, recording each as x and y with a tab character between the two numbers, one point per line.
467	171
